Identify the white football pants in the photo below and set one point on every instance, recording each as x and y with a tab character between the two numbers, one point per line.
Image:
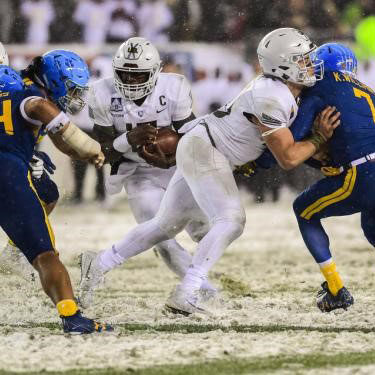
145	189
203	183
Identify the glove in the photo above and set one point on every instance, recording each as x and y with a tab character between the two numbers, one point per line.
48	164
41	162
246	170
37	167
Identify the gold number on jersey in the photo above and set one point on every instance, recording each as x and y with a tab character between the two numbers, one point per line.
361	94
6	117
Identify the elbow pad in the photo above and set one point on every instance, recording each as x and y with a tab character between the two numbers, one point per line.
80	142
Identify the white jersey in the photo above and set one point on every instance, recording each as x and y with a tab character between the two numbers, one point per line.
169	101
269	100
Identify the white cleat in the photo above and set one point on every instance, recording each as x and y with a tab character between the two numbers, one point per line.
184	302
91	278
12	260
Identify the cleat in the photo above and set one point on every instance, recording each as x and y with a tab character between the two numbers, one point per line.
208	295
12	260
91	278
80	325
183	302
327	302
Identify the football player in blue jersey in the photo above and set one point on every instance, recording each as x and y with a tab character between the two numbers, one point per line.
53	84
346	160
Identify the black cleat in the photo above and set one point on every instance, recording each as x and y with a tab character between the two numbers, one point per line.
80	325
327	302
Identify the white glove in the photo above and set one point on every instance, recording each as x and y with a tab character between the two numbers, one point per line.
37	167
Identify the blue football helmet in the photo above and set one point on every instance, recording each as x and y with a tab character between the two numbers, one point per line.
65	76
10	80
338	57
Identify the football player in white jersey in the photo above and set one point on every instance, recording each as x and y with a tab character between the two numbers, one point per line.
127	109
214	144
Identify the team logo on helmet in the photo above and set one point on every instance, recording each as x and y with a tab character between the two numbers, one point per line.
134	51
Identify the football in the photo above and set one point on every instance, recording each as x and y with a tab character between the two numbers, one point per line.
167	139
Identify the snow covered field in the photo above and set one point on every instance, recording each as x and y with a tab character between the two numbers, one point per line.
265	320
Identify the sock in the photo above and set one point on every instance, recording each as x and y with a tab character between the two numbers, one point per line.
109	259
315	238
67	307
194	278
328	269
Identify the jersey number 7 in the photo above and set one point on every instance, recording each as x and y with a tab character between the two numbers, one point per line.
6	117
361	94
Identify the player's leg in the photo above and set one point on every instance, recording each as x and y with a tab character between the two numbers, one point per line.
332	196
11	258
210	179
169	221
26	223
368	225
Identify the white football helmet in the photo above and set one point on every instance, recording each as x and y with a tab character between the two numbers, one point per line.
136	58
4	59
289	54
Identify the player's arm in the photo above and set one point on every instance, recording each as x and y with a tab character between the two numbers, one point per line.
182	113
178	124
157	158
290	153
66	136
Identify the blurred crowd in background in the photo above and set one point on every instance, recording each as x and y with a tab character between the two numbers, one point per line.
217	74
101	21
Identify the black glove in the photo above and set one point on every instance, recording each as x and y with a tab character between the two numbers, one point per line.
246	170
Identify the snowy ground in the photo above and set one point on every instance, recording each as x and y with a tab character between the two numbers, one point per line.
264	322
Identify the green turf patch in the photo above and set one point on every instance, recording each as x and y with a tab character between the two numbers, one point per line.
236	366
189	328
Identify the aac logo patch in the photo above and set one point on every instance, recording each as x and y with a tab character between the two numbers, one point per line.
116	105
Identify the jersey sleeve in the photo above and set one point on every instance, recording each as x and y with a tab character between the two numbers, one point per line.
309	108
97	112
271	112
184	103
30	93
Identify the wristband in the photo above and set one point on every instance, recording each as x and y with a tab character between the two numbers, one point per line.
57	123
121	143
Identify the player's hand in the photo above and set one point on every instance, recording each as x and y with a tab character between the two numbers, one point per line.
246	170
157	158
47	162
98	160
142	135
41	162
326	122
37	168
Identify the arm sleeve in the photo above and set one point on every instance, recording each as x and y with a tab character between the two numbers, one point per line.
184	103
302	125
271	112
97	113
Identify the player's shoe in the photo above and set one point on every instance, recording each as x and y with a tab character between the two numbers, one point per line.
327	302
80	325
12	260
91	277
184	302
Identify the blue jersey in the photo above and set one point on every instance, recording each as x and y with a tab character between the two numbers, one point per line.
17	135
355	137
